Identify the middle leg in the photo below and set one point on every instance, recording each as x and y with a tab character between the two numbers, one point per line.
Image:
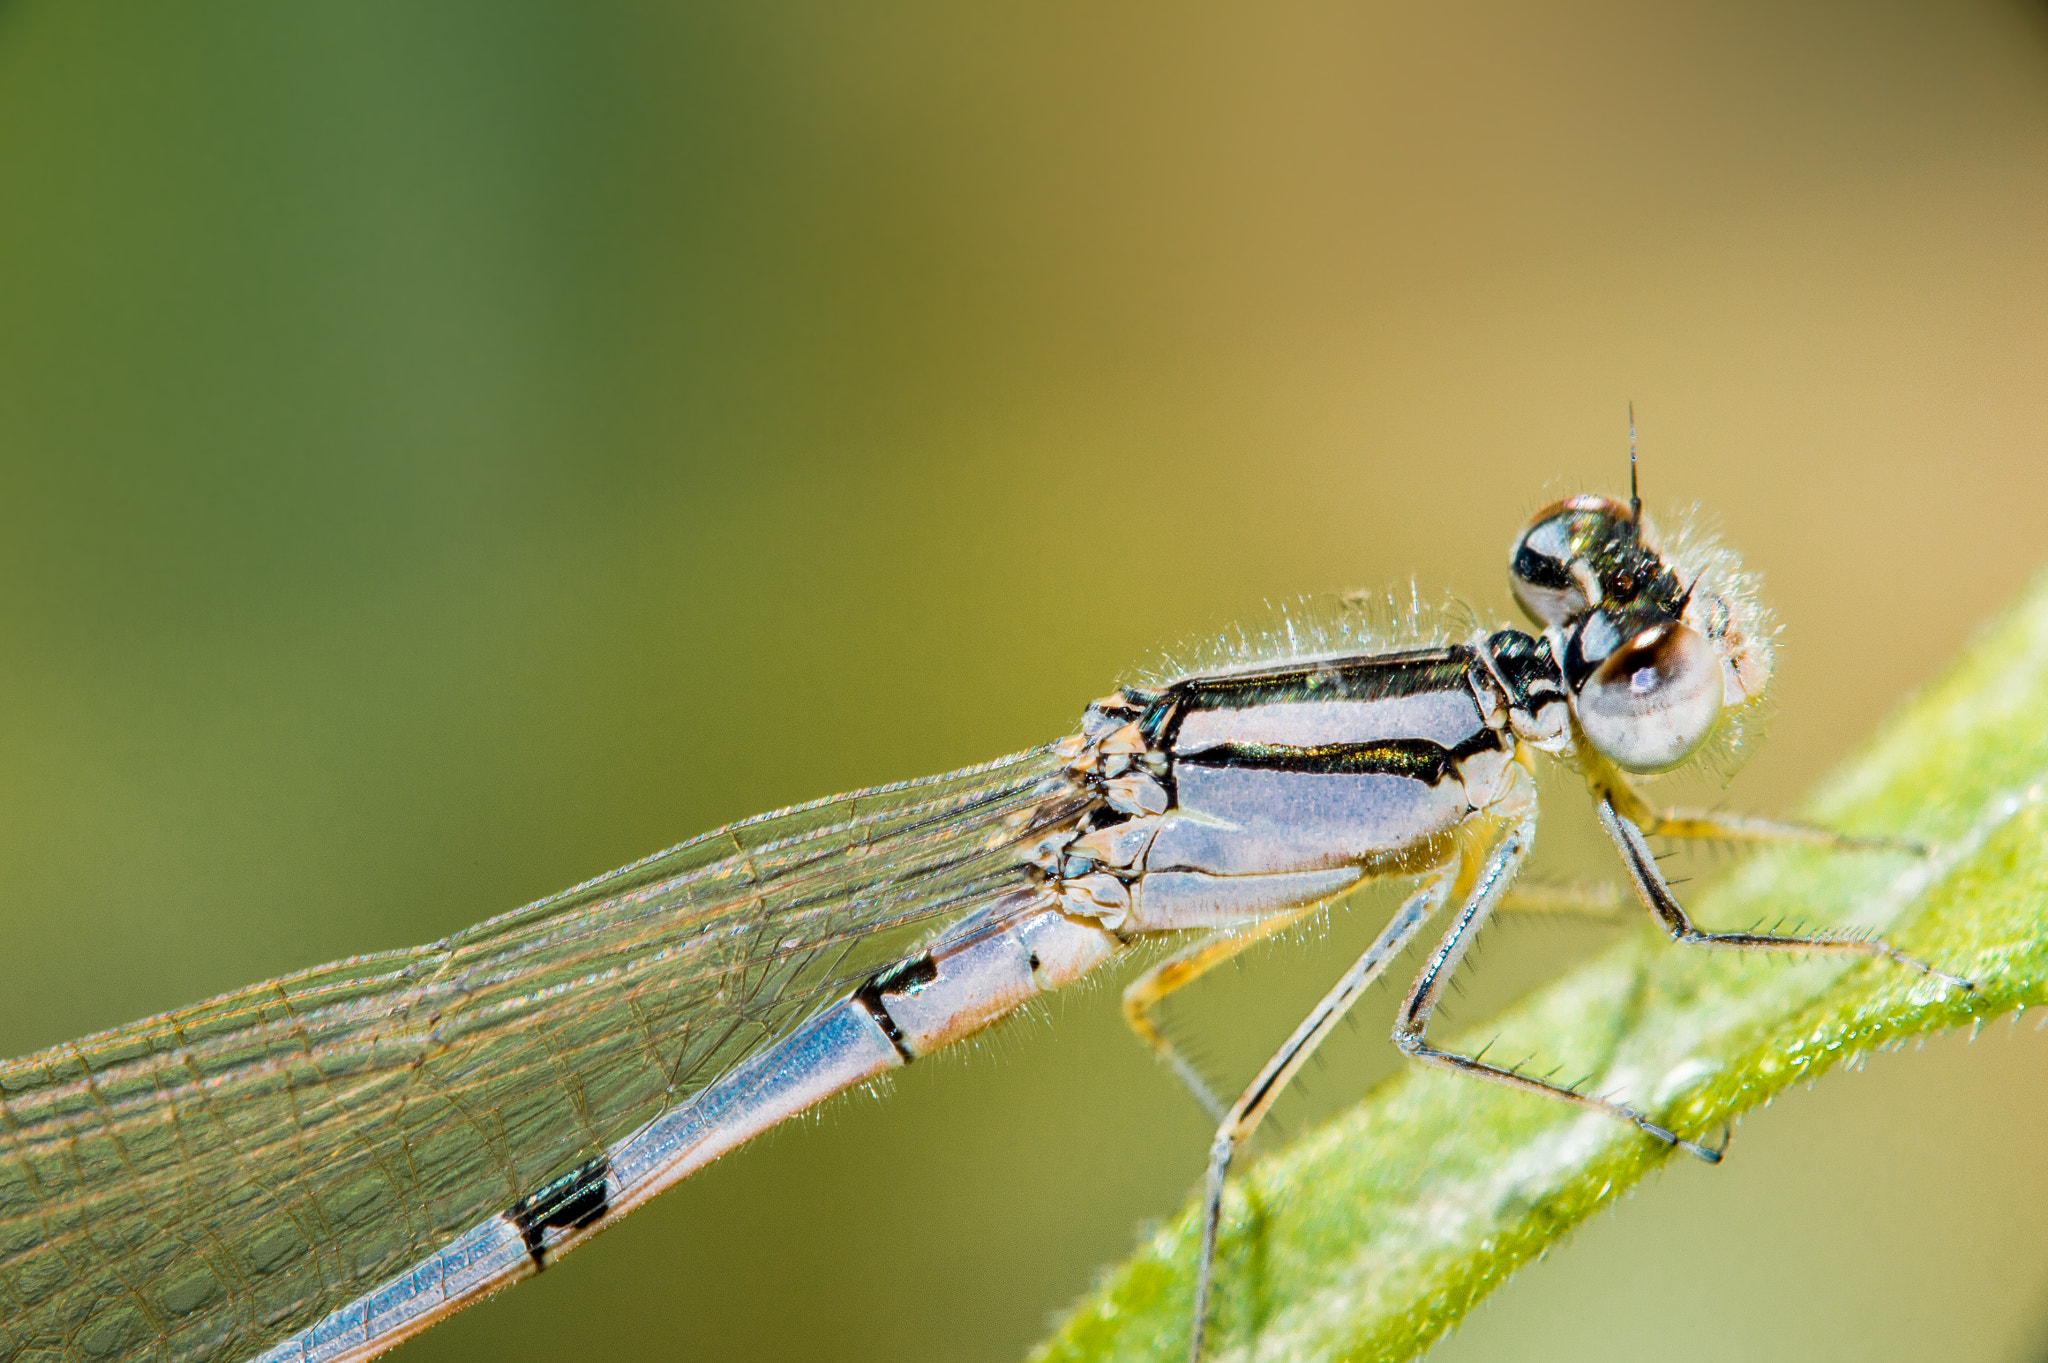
1411	1028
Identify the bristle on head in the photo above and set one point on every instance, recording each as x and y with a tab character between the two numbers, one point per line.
1725	605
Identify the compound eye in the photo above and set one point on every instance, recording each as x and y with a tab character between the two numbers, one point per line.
1540	566
1538	571
1653	701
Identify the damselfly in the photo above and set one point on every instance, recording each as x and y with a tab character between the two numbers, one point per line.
319	1166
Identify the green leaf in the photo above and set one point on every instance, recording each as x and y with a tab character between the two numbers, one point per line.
1371	1237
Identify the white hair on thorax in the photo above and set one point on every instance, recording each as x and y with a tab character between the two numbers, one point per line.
1311	628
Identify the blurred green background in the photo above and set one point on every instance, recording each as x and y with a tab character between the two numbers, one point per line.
448	450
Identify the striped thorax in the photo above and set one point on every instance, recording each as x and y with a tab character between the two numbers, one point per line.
1229	796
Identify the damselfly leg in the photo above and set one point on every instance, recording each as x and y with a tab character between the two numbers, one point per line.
1411	1027
1244	1116
1144	995
1482	877
1720	826
1657	897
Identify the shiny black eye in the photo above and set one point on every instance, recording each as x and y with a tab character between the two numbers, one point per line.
1577	530
1652	702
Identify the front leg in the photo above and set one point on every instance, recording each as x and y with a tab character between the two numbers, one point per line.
1656	894
1712	825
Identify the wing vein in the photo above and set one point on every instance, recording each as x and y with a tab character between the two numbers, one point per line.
203	1183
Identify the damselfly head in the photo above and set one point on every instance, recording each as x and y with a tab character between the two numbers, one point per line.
1654	647
1646	701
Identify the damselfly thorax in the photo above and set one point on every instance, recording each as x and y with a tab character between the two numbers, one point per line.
320	1166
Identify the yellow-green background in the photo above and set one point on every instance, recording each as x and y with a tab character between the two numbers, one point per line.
447	450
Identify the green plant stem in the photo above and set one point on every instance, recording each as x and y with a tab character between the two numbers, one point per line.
1371	1237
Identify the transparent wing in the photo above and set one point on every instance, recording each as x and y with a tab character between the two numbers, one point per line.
204	1183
